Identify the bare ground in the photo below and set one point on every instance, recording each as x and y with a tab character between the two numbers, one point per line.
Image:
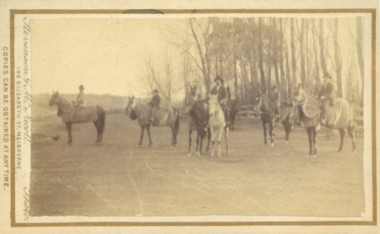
117	178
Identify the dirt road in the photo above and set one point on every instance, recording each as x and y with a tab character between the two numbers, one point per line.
119	179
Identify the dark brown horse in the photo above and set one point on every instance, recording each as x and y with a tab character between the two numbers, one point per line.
165	117
73	115
233	112
197	110
267	109
339	116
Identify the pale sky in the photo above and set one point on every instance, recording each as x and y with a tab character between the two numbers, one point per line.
105	55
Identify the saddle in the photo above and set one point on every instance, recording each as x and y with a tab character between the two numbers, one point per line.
310	108
79	114
163	117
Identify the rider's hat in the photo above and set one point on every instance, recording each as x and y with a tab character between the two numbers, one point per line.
155	91
81	87
218	78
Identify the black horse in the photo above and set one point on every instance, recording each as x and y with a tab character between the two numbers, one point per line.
72	115
198	115
233	112
268	117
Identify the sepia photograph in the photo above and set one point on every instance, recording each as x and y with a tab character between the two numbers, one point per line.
253	118
197	116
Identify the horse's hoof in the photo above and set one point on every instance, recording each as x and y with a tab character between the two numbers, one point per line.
198	154
272	144
189	154
354	151
138	146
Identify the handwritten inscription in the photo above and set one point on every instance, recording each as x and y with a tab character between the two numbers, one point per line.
26	203
23	97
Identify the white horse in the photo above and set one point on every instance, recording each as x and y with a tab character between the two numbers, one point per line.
217	124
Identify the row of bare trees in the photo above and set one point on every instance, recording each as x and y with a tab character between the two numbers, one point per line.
252	54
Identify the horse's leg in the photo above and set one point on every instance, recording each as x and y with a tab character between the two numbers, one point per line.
68	126
202	135
208	138
314	130
220	135
173	133
232	122
287	127
352	134
265	132
149	137
213	136
142	129
189	151
271	133
226	138
97	130
309	136
341	133
197	147
101	123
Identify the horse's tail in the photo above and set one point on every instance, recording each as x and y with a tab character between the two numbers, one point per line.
176	124
351	125
101	116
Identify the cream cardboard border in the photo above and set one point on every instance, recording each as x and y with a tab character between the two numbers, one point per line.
5	202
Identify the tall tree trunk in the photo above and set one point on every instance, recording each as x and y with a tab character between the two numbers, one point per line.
281	56
317	72
359	44
293	51
260	50
338	60
235	58
301	38
274	50
322	53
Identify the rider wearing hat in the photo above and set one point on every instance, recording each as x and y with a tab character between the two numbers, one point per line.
276	100
79	102
80	98
222	96
328	89
154	103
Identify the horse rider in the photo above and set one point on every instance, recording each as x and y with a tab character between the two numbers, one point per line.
79	102
276	101
327	94
328	90
300	96
154	103
222	96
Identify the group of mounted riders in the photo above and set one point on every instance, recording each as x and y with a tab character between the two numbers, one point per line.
327	93
324	109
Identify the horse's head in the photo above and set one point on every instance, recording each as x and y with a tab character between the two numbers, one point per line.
193	91
130	104
258	102
54	100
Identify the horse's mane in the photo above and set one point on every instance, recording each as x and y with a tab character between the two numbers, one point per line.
64	106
